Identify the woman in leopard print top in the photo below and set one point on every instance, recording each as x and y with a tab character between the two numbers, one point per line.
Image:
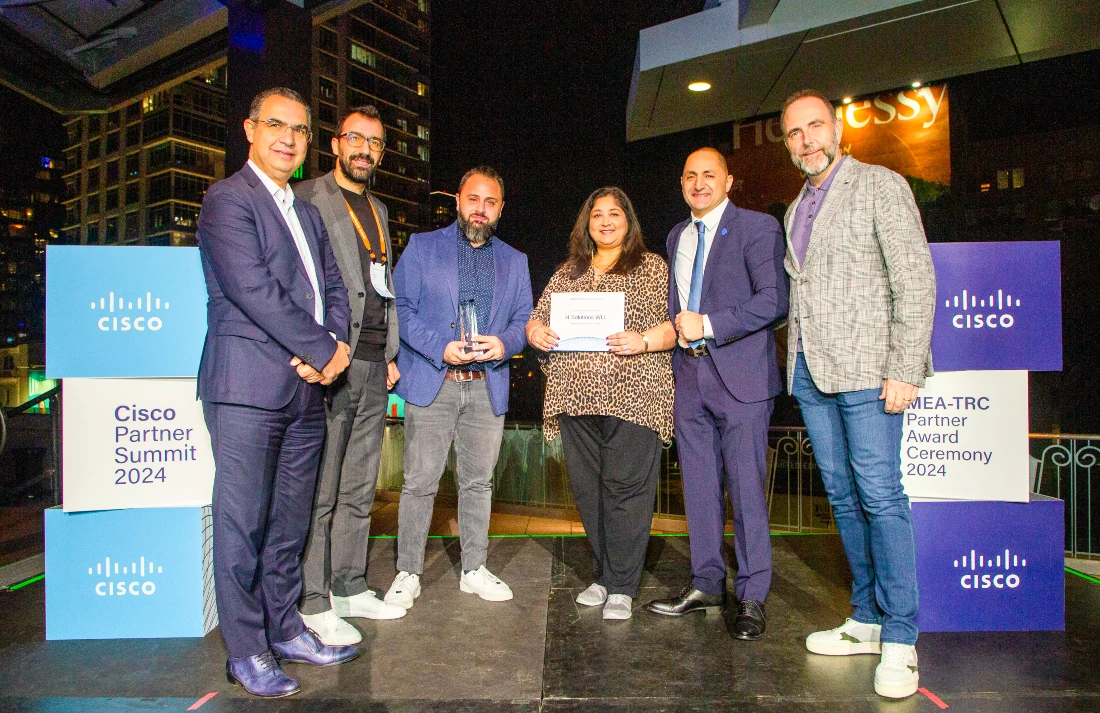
612	408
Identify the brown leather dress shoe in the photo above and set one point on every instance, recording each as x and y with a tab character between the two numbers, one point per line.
687	601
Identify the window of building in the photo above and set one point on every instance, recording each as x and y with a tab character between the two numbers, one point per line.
93	234
422	152
159	157
133	226
190	126
158	218
152	103
114	120
95	148
330	66
422	89
189	188
325	162
156	125
133	192
422	133
400	217
402	124
93	204
185	216
326	39
324	138
93	179
72	186
110	173
133	113
133	165
1002	180
401	147
110	234
326	113
1018	177
110	200
158	188
95	124
326	89
74	160
75	132
133	134
363	56
72	213
423	5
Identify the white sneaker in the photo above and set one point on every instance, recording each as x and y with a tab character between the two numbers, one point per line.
404	590
618	607
485	584
595	595
331	629
851	637
365	605
896	675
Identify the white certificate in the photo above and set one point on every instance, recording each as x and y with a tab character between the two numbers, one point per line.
584	320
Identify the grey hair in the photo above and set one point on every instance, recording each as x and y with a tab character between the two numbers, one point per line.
286	93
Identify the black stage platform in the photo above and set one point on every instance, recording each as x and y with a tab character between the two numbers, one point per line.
541	652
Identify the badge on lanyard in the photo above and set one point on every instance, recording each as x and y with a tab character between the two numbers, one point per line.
377	266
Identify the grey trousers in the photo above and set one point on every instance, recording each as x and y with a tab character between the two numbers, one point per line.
335	554
462	413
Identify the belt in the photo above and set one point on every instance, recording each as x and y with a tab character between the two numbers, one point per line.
698	351
464	375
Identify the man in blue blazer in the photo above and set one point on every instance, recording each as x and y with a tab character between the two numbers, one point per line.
277	323
456	390
727	289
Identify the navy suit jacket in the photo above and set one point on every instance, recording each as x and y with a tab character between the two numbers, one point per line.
744	294
260	308
426	278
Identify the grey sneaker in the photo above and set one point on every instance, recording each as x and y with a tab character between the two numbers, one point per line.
595	595
618	607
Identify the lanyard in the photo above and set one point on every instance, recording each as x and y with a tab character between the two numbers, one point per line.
363	234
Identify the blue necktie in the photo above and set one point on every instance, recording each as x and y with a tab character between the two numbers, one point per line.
695	293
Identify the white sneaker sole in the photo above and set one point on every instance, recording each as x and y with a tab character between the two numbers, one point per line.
897	691
487	596
377	616
843	648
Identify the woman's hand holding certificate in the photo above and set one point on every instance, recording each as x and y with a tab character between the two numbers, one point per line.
583	321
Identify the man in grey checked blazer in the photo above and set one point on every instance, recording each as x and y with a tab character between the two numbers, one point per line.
863	295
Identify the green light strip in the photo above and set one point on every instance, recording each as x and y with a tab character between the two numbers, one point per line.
25	582
1082	575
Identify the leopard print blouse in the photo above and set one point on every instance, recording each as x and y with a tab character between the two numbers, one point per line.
636	388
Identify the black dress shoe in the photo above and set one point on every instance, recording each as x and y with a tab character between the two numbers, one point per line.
687	601
750	622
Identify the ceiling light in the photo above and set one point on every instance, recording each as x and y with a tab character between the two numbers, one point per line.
847	100
699	86
916	85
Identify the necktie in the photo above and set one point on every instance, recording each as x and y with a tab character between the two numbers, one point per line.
695	293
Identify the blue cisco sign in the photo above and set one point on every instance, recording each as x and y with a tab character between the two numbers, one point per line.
991	566
124	574
124	311
998	306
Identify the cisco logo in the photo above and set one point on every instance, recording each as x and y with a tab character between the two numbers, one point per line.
990	572
139	313
134	579
984	312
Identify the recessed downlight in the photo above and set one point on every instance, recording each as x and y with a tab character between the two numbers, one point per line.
847	100
699	86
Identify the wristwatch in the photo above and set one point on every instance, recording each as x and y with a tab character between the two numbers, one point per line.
645	343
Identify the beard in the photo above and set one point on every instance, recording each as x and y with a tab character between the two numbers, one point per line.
354	173
477	232
829	152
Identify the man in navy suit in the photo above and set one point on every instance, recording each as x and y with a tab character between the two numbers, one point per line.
456	390
277	325
727	288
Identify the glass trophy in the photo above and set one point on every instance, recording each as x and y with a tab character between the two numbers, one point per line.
467	324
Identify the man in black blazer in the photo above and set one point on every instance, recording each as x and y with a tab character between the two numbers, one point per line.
727	289
277	321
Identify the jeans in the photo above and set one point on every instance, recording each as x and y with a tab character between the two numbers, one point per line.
462	413
858	448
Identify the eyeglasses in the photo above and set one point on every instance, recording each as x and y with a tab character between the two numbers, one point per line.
356	140
301	131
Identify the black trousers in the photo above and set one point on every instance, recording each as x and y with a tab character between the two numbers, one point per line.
613	467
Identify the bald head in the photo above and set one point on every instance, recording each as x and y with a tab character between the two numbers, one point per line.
705	181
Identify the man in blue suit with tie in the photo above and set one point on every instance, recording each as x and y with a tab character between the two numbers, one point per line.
727	289
277	325
456	385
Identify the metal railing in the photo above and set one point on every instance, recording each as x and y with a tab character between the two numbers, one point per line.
1067	466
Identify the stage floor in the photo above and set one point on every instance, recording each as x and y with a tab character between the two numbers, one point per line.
541	652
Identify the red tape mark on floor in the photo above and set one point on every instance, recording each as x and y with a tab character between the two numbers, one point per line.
199	703
934	698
